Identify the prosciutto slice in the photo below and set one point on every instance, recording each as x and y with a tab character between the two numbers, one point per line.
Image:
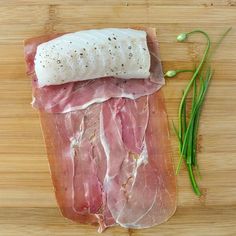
76	159
139	179
108	146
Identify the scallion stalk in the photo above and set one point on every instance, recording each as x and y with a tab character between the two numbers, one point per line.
188	128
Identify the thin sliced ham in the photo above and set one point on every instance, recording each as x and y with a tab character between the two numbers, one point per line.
77	161
108	146
139	182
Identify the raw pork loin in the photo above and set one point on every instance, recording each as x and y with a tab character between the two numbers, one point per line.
108	143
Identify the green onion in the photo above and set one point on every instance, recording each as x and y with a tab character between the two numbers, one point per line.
173	73
170	73
182	37
188	129
191	81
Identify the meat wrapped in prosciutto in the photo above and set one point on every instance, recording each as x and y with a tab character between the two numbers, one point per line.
106	134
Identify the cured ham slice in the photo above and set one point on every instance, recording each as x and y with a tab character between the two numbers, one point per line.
76	159
101	175
108	146
139	181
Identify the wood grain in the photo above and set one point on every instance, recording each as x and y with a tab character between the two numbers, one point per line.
27	203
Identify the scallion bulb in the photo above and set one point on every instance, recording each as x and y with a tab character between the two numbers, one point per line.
170	73
182	37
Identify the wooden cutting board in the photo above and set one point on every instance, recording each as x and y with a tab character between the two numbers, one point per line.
27	203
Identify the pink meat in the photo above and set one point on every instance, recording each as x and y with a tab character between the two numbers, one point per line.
134	173
77	163
104	157
98	181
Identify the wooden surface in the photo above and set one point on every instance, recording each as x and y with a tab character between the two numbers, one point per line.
27	203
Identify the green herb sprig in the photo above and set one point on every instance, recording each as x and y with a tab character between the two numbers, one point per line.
187	131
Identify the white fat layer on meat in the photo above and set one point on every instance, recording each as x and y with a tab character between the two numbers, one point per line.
95	100
127	95
106	148
75	142
93	54
85	105
33	100
86	191
103	138
143	158
77	138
